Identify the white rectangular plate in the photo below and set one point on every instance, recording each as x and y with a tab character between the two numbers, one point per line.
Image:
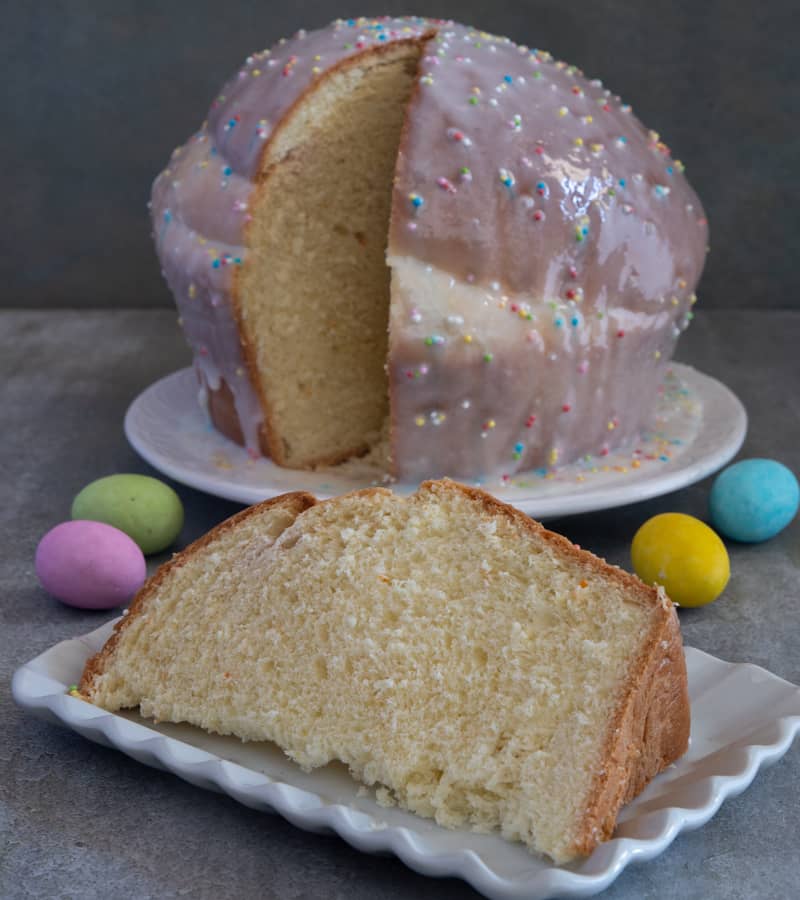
743	717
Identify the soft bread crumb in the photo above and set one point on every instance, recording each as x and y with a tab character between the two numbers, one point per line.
314	294
384	797
470	665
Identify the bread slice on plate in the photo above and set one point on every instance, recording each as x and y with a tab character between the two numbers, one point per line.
476	667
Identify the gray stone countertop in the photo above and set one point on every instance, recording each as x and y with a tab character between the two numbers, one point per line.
78	820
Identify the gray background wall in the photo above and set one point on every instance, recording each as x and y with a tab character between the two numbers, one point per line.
100	92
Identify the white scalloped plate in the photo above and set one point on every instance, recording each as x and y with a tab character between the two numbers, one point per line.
743	717
698	426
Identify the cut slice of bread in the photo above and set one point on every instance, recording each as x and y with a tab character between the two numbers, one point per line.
483	670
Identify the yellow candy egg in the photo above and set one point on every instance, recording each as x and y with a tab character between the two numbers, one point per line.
684	555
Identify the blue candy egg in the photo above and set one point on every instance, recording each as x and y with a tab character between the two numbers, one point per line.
753	500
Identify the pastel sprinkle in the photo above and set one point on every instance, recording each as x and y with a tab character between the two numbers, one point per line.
488	357
582	228
507	178
417	201
455	135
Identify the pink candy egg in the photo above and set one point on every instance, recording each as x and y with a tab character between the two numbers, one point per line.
90	565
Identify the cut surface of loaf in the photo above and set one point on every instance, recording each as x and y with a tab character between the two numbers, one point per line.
314	297
485	671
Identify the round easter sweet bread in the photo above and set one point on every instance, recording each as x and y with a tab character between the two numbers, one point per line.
412	222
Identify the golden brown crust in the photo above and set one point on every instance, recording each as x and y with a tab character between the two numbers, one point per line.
648	732
269	437
222	410
95	665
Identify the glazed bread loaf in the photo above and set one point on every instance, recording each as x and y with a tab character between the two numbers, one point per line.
410	221
475	667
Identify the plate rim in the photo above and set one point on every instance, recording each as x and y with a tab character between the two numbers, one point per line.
38	690
591	499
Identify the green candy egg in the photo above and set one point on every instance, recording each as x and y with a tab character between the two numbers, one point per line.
146	509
